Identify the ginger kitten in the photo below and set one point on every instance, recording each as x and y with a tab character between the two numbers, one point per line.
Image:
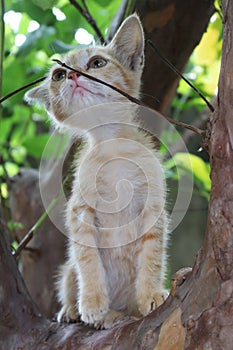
115	217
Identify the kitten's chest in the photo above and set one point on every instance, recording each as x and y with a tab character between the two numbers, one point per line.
116	179
111	180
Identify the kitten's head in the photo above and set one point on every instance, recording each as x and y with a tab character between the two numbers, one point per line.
120	63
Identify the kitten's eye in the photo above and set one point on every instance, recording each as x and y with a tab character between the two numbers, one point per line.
97	62
59	74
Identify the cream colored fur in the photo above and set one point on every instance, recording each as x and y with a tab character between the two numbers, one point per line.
115	218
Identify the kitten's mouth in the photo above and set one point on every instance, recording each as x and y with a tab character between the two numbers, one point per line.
81	90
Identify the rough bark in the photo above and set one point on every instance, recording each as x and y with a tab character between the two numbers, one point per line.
198	314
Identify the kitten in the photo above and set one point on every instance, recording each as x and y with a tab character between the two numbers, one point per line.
115	217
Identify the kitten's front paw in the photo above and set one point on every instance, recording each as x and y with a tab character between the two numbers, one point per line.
146	304
93	308
67	314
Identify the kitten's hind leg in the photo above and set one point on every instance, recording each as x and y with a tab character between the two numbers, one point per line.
67	294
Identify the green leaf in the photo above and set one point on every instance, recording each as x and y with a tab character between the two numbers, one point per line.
34	37
11	168
24	23
14	245
4	190
6	124
18	154
45	4
14	225
33	11
13	77
35	145
192	165
60	47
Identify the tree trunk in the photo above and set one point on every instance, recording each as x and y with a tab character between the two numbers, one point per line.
198	313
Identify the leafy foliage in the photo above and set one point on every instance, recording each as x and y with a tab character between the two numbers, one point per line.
203	71
198	169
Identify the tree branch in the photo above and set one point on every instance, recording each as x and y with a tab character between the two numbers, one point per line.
86	14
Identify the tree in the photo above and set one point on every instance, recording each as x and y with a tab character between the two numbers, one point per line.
198	312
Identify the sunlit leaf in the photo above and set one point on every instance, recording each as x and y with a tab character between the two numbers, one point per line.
42	33
11	168
4	191
191	165
24	23
18	154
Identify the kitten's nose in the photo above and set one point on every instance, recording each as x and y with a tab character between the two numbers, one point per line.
73	75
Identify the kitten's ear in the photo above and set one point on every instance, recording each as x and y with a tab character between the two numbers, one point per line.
128	43
38	95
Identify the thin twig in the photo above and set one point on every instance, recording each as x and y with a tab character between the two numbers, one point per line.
170	65
21	88
86	14
130	98
27	238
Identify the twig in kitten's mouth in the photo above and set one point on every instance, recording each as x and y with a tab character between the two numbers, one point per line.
130	98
